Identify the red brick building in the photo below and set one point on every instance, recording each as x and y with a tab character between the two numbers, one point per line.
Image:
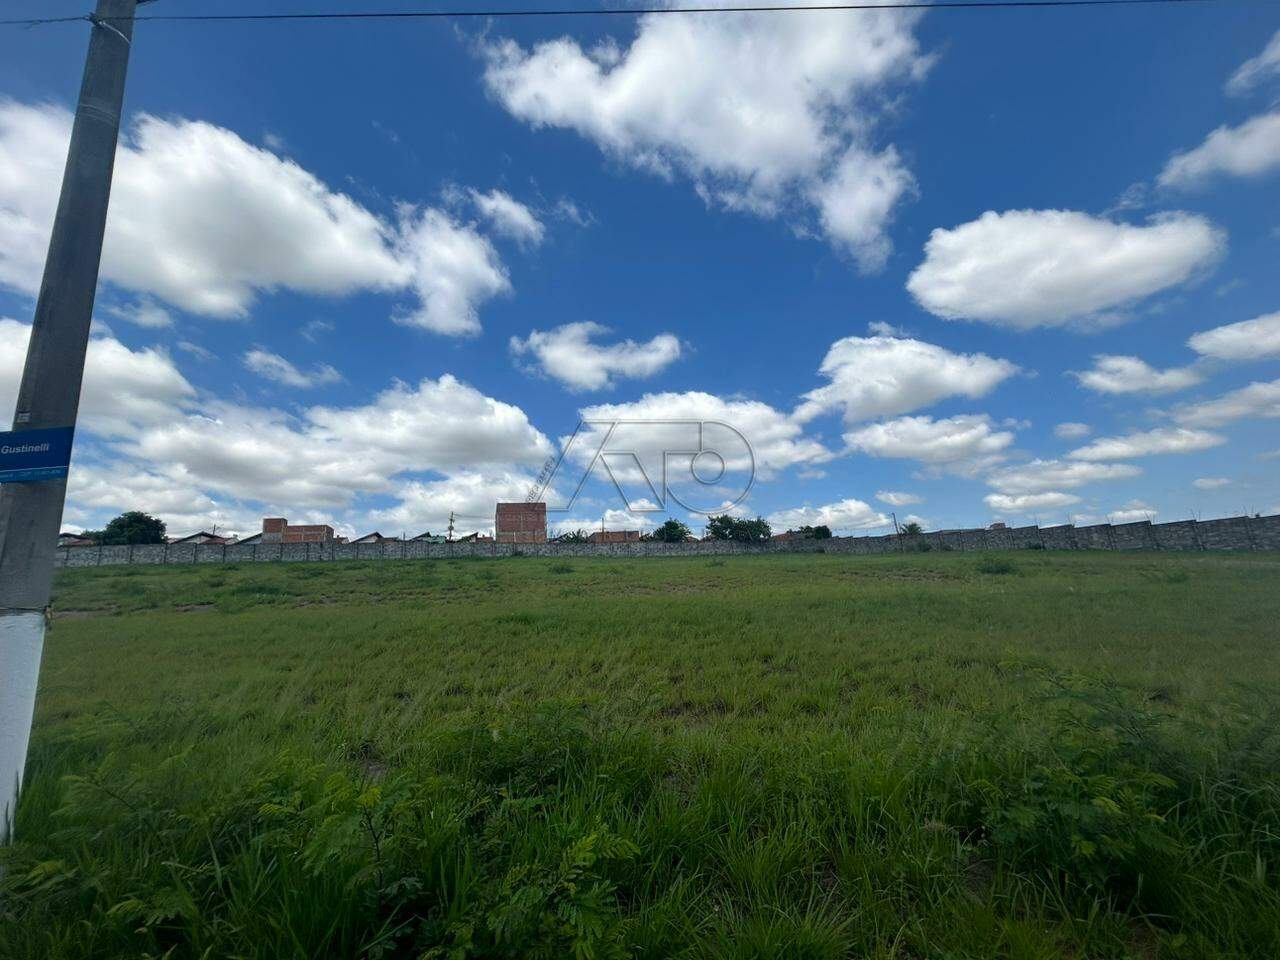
520	523
279	530
613	536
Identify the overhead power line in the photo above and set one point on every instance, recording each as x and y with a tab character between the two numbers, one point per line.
606	12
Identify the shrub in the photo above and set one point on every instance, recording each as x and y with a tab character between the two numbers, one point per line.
996	565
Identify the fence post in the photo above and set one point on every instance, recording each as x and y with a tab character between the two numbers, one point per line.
1248	533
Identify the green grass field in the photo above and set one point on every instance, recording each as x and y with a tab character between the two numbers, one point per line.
929	756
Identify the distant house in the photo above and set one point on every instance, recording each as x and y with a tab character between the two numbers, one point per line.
613	536
376	537
279	530
429	537
521	523
249	540
202	537
75	540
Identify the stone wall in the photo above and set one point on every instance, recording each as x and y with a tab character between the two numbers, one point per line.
1232	533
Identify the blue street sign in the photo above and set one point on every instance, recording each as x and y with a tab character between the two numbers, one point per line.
27	456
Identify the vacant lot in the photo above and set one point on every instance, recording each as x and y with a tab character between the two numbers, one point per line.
939	755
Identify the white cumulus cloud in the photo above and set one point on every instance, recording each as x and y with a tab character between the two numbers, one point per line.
1249	150
1115	374
509	217
1145	443
122	389
207	222
324	457
1024	269
895	498
424	506
967	438
771	115
272	366
1134	511
883	376
453	269
659	422
1029	502
1043	476
98	491
568	354
842	515
1072	430
1246	340
1258	399
145	313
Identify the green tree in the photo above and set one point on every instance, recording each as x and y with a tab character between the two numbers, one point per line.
820	532
673	531
725	527
912	529
573	536
720	528
133	527
753	531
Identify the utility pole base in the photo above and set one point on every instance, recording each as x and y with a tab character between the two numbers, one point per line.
21	643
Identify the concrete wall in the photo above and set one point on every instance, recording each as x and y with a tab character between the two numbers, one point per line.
1233	533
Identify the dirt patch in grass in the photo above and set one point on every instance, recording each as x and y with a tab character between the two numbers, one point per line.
82	614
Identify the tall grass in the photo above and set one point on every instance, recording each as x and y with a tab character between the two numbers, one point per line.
760	757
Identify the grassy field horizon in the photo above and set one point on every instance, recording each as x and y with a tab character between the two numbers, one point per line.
1024	754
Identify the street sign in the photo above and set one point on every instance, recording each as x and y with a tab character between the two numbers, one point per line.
28	456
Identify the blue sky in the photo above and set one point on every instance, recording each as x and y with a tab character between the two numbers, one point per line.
348	267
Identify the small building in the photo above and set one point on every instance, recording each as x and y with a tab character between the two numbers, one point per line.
998	525
376	537
249	540
613	536
75	540
430	537
520	523
279	530
202	537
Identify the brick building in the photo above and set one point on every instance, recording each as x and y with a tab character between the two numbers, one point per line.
614	536
520	523
279	530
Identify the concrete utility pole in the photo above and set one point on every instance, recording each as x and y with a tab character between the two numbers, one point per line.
31	513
